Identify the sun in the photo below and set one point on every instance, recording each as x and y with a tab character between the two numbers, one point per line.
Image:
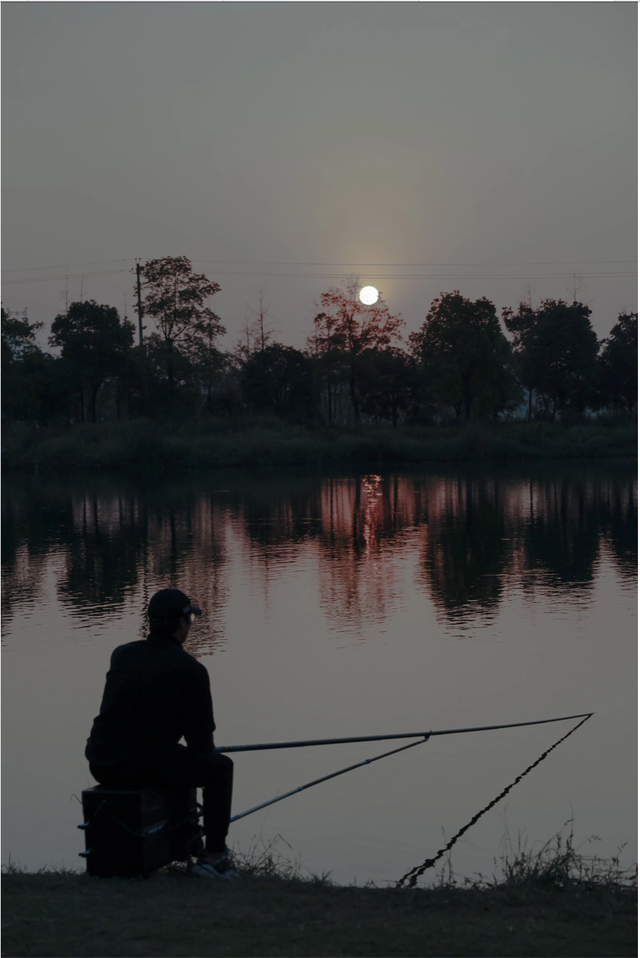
368	295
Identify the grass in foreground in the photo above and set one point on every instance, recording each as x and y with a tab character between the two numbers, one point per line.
552	903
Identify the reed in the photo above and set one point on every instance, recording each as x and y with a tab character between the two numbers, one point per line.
559	864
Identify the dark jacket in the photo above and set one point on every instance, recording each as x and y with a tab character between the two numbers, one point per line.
155	694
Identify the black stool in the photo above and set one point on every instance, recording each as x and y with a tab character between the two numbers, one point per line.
130	832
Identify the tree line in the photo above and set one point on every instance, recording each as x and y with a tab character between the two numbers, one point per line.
458	366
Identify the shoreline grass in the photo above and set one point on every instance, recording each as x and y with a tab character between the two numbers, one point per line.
554	902
263	443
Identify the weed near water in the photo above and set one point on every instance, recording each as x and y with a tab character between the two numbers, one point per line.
558	863
552	902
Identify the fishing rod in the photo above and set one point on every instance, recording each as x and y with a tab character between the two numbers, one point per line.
381	738
325	778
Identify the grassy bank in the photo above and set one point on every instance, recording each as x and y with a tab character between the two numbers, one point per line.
550	904
272	444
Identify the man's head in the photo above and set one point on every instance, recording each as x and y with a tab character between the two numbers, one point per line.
171	612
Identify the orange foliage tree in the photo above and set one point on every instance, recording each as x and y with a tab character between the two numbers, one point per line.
348	326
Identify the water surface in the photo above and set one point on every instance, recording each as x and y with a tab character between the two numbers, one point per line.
338	606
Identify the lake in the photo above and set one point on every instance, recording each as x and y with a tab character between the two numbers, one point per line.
342	605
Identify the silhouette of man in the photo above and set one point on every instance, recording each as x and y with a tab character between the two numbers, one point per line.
155	694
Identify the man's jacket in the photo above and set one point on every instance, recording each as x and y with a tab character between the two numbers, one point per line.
155	694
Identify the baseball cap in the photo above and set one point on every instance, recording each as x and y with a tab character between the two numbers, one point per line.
168	601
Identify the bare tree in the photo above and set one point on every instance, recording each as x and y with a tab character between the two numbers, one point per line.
261	333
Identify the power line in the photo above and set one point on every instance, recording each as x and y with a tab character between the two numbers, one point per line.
239	262
62	276
601	275
98	262
619	274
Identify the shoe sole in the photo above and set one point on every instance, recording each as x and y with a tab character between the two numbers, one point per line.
204	871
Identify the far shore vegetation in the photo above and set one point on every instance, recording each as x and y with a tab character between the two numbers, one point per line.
466	385
148	445
552	902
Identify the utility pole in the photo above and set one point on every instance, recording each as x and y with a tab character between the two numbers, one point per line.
138	271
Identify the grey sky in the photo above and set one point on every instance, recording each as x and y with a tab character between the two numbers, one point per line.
475	135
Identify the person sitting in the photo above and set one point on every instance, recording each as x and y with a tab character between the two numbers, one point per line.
155	694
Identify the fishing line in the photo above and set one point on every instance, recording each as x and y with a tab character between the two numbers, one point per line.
413	874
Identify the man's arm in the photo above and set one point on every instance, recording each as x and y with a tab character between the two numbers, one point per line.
199	724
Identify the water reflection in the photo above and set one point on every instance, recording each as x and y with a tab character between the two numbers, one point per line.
33	525
468	544
274	512
563	530
360	528
618	518
113	539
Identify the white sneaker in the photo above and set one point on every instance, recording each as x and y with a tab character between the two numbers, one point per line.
223	868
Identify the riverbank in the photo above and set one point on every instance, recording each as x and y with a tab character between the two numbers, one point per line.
254	444
171	915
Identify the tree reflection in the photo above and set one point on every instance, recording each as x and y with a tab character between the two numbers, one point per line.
363	519
37	521
619	521
184	548
118	543
561	534
102	557
467	546
111	542
275	512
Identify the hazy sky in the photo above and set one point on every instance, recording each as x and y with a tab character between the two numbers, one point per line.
471	146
